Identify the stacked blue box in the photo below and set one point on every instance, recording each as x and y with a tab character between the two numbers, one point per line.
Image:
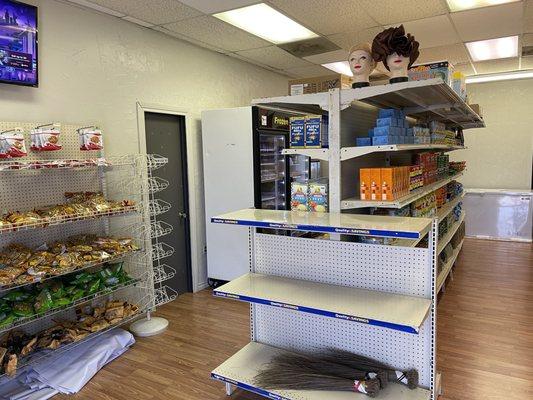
363	141
391	128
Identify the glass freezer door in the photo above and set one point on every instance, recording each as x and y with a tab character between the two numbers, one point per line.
299	168
272	164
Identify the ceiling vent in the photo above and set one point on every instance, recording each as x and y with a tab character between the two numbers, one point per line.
309	47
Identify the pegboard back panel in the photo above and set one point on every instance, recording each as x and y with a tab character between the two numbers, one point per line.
309	333
393	269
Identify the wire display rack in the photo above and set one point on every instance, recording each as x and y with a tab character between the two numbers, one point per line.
37	181
158	207
163	272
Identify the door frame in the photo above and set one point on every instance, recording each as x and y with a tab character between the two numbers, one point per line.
195	250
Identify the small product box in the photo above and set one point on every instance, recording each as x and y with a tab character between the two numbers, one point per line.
375	184
440	69
318	197
390	113
316	131
459	84
384	140
388	183
297	132
389	121
363	141
387	131
299	196
365	180
319	84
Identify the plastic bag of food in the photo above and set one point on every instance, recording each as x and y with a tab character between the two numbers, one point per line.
13	143
43	301
23	309
46	138
91	139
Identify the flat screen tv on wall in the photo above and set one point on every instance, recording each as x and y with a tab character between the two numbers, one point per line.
18	43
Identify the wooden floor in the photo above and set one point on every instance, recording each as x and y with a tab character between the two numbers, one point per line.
485	337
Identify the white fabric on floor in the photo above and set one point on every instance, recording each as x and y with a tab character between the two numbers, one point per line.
69	371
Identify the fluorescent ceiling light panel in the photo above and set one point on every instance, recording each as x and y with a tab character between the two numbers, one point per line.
500	77
491	49
263	21
341	67
460	5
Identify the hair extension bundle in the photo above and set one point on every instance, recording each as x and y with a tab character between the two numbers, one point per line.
355	361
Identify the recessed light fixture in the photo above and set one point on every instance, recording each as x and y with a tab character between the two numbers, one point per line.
263	21
483	50
341	67
459	5
500	77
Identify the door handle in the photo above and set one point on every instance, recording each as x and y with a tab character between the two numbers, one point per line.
182	215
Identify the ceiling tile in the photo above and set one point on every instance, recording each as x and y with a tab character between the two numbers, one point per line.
188	39
331	56
250	61
273	57
494	66
528	16
87	3
217	33
455	53
309	72
212	7
489	22
326	16
350	38
387	12
465	68
159	12
433	32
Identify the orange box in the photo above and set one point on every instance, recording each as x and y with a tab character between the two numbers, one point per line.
365	180
375	184
387	184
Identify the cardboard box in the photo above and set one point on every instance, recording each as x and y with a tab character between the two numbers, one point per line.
365	180
388	182
318	197
297	132
440	69
375	184
299	196
319	84
316	131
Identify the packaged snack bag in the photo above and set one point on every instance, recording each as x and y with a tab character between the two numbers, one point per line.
91	139
13	143
46	138
299	196
318	197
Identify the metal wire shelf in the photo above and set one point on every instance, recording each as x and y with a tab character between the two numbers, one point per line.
48	165
111	259
157	207
159	229
102	293
43	354
155	161
161	250
163	272
156	184
164	295
53	221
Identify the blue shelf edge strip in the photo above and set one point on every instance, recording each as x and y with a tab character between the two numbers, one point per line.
310	310
321	229
249	388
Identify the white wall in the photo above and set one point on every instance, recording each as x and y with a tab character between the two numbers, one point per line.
95	68
499	156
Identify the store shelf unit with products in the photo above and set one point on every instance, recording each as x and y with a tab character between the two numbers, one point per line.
37	181
374	300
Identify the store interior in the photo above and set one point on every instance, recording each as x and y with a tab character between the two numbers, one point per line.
285	199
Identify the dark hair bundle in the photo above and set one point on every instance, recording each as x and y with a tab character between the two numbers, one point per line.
394	40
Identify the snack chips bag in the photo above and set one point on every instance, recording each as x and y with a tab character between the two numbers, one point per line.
299	196
91	139
12	144
318	197
46	138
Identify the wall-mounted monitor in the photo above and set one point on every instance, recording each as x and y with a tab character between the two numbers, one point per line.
18	43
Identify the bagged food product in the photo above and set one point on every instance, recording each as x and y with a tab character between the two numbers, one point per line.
90	139
46	138
23	309
13	144
43	301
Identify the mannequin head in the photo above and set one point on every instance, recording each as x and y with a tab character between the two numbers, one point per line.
361	62
396	50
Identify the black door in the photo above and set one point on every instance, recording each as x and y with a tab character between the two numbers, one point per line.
165	135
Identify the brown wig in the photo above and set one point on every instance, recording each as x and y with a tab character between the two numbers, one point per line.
394	40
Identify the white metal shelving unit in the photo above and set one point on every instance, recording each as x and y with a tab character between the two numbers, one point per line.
308	294
37	181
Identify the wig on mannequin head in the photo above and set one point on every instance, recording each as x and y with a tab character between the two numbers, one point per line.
394	40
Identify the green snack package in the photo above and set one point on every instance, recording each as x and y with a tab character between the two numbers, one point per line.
64	301
112	281
43	301
105	273
82	278
8	320
57	290
16	296
78	294
23	310
95	286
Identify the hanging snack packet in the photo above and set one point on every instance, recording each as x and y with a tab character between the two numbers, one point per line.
46	138
13	143
3	148
91	139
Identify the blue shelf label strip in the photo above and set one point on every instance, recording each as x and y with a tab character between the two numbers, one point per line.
324	313
321	229
249	388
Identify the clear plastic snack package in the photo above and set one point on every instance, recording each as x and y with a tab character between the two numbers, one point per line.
91	138
46	137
